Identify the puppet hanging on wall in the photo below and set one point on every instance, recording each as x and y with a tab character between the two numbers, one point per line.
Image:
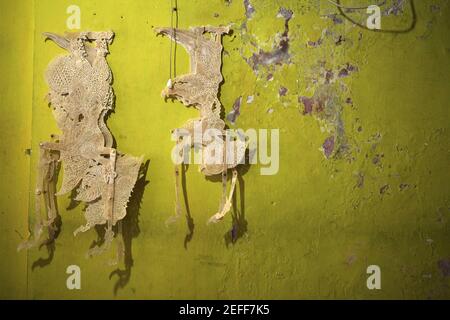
81	96
200	88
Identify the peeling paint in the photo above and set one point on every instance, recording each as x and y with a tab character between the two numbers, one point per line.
328	146
325	106
337	215
282	91
335	18
236	111
249	10
345	71
396	8
280	53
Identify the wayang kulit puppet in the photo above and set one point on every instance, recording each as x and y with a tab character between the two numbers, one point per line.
81	96
200	89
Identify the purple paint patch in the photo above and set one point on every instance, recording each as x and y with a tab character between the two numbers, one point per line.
285	13
328	146
335	18
329	75
232	116
343	73
280	53
444	265
249	10
308	103
396	8
282	91
351	68
315	44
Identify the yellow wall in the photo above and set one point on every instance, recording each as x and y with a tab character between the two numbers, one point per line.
16	41
308	232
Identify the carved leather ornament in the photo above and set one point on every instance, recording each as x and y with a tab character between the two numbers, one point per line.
81	96
200	88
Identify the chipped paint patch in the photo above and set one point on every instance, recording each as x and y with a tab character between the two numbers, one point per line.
236	111
396	8
325	106
280	53
328	146
282	91
249	10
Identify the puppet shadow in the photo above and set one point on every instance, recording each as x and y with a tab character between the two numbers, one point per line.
239	224
130	228
49	244
189	219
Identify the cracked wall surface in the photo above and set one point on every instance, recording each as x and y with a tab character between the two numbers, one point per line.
364	153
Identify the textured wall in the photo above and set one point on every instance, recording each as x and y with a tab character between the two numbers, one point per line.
362	181
16	41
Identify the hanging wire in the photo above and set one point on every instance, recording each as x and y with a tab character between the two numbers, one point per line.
337	4
173	17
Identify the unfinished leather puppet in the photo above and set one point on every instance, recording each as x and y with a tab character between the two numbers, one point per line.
81	96
200	89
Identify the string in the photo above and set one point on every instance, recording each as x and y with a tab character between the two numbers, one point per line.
173	11
337	4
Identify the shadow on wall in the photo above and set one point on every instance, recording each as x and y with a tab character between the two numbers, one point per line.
130	229
50	245
189	219
239	223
